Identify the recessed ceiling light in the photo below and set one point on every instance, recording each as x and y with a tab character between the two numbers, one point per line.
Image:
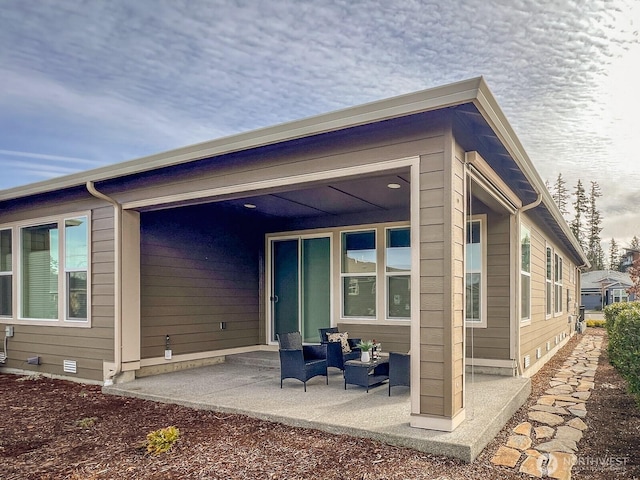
249	205
393	186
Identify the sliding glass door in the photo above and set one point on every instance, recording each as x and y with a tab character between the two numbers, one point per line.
300	286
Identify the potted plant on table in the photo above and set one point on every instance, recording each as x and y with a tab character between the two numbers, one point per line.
365	347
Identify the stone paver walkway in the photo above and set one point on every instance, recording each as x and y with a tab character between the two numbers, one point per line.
548	442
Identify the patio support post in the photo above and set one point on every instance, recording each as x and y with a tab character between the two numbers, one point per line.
440	344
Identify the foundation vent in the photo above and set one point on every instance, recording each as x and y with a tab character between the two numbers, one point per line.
69	366
556	339
538	352
527	361
548	346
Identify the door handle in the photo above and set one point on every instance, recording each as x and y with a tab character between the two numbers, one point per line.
274	299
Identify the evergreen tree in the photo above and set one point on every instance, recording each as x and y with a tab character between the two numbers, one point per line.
580	206
595	253
635	243
614	256
560	194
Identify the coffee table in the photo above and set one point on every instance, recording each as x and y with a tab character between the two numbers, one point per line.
366	374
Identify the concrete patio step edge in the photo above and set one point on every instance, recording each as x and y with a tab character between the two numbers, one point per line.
260	359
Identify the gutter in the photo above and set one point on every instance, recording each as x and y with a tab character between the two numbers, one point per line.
117	300
522	209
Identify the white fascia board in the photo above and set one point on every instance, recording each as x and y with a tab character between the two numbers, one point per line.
491	111
403	105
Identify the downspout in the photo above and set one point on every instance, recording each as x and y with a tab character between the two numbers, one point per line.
522	209
117	300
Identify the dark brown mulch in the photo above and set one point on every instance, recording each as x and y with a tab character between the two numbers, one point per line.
51	429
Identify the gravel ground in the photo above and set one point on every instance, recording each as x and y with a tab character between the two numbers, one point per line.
52	429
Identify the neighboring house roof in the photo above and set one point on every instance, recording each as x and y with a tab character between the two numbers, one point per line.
599	279
472	97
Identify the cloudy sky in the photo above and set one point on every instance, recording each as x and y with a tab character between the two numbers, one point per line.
84	84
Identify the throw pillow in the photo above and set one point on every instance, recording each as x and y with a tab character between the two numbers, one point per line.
343	338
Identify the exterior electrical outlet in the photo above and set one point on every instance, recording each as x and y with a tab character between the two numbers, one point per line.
8	331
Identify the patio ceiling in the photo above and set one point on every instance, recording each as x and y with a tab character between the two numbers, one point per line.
355	195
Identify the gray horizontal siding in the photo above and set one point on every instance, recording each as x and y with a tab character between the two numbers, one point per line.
199	267
89	347
493	342
394	338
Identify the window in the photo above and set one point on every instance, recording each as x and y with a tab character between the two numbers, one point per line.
619	295
525	273
53	270
549	283
475	261
40	264
358	273
558	283
398	272
6	273
76	262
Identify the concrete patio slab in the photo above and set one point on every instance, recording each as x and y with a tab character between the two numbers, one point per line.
255	391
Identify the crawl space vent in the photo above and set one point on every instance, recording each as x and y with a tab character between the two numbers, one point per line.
548	346
69	366
538	352
527	361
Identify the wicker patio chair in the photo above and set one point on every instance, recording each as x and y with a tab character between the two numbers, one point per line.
399	370
301	361
335	356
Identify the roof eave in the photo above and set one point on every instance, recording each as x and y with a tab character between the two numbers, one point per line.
489	108
426	100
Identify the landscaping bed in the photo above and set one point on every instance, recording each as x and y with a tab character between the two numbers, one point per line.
52	429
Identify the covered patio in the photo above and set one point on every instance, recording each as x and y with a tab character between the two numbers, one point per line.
248	384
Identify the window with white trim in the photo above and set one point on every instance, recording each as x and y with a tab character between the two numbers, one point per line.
76	263
525	273
558	283
39	271
398	272
358	272
53	270
6	273
619	295
549	283
475	272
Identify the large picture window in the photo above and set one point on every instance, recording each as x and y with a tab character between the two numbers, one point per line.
525	273
53	270
475	269
358	273
398	272
558	283
6	273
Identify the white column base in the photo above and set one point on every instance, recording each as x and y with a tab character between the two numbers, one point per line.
441	424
